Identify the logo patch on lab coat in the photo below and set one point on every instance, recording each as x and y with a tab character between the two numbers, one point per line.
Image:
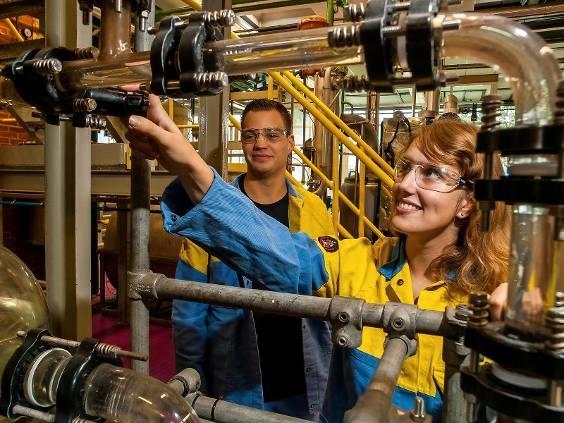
328	243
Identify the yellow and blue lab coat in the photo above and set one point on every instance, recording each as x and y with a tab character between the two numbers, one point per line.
228	225
221	342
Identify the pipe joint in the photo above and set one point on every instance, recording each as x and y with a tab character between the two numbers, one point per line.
143	285
400	319
345	315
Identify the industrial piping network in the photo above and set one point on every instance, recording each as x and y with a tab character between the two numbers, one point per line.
399	42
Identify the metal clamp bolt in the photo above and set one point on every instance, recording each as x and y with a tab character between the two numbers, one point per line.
346	318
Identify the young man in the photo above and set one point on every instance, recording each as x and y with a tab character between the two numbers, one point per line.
260	360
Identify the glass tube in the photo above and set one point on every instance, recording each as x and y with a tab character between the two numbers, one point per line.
119	394
282	51
514	51
533	280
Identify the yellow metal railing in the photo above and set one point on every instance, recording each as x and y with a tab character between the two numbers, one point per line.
342	133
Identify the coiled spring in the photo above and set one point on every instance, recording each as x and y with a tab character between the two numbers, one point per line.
490	113
86	53
352	83
559	114
84	104
355	12
108	350
344	36
554	321
480	306
95	122
220	18
47	66
207	80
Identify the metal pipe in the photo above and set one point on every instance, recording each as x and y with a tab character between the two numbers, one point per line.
374	405
221	411
140	225
115	30
160	287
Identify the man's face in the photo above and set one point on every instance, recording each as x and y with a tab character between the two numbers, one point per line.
265	156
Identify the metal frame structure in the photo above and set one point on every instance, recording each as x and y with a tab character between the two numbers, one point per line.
348	315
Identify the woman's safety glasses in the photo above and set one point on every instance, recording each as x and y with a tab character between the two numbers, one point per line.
431	177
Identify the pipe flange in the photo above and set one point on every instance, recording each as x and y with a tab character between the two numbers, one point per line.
200	71
163	56
378	51
423	44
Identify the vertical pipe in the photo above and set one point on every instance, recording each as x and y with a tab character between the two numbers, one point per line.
214	112
115	30
361	197
68	195
336	181
413	100
140	215
270	88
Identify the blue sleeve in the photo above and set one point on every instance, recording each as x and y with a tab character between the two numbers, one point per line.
190	326
228	225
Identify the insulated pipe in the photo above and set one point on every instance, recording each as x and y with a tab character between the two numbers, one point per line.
307	306
374	405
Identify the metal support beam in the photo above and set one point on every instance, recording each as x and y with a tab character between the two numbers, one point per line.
140	215
67	211
214	112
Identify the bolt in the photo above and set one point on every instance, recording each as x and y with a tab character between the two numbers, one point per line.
452	25
210	80
355	12
117	6
462	312
343	341
86	53
343	317
47	66
398	323
220	18
84	104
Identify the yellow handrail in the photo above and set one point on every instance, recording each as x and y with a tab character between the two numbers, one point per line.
379	172
342	197
333	117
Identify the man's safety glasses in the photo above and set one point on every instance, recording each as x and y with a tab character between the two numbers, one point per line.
273	135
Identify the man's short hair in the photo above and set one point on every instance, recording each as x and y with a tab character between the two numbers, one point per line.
264	105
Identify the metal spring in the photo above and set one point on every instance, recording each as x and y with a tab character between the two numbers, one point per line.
86	53
95	122
490	105
81	420
107	350
355	12
221	18
555	322
559	113
353	83
47	66
207	80
344	36
84	104
480	307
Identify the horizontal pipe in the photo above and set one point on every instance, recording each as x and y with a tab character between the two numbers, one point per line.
295	305
221	411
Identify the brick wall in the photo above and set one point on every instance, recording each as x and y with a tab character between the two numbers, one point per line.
11	132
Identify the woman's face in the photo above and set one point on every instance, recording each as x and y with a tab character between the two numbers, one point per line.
423	212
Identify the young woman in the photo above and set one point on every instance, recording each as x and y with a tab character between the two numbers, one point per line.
438	257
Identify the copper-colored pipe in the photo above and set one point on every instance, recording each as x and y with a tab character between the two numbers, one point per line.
115	27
